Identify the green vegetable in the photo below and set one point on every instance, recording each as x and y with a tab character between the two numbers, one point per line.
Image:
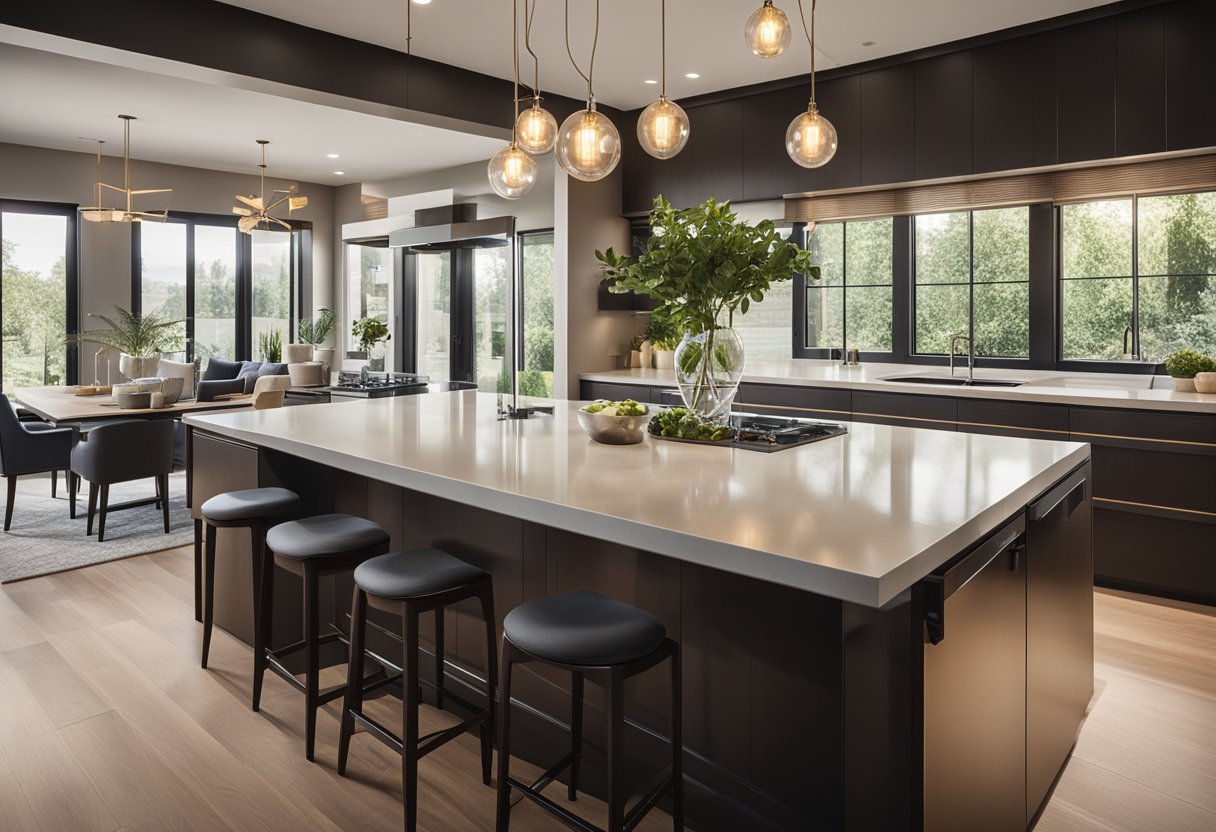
628	407
682	423
1188	363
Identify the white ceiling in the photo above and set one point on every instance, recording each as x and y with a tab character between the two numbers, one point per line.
203	125
704	36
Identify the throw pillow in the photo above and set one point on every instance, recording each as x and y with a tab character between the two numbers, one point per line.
249	374
186	371
218	369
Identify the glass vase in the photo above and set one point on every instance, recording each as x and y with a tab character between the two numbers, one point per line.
708	368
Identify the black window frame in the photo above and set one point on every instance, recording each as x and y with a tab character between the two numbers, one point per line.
71	212
522	293
300	259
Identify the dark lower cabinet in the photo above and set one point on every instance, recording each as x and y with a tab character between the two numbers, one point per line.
975	689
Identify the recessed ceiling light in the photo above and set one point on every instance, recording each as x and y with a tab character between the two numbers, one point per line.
650	81
868	43
332	155
339	173
423	2
693	75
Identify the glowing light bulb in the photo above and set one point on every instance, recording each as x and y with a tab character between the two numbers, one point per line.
811	139
536	129
663	129
512	172
588	145
767	31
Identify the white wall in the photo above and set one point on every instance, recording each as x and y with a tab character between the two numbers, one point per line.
35	173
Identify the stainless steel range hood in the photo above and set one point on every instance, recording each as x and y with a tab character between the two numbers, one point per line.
453	227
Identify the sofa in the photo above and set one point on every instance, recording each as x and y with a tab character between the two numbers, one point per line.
226	377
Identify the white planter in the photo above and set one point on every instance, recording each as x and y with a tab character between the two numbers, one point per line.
1205	383
297	353
307	374
327	357
138	366
635	358
1184	385
647	354
664	359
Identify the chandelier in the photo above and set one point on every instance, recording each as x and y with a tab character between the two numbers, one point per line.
255	212
126	213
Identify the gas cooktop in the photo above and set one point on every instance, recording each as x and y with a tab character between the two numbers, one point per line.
774	433
378	385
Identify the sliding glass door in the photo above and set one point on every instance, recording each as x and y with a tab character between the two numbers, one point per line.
433	314
37	294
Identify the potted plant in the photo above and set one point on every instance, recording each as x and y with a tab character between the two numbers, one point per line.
663	337
702	265
370	333
314	332
138	339
1184	365
635	350
270	346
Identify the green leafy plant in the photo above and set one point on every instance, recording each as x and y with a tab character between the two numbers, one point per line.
661	332
316	330
369	332
270	345
136	335
1188	364
703	263
635	343
682	423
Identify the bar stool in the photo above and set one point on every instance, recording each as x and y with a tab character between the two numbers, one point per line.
255	509
313	548
590	636
409	584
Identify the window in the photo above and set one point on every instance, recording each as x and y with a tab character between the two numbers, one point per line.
1139	277
271	268
851	304
537	313
972	273
492	363
37	294
433	315
766	329
369	281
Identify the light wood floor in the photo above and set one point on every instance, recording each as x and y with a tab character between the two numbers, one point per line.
107	723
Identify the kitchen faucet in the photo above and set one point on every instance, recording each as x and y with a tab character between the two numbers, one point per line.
970	339
1128	343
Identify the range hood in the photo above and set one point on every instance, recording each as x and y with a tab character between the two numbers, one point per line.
451	227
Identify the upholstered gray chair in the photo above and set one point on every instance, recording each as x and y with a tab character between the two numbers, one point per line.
131	449
30	448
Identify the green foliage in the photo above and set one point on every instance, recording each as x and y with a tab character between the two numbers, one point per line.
137	335
682	423
369	332
316	330
35	319
703	263
1188	364
270	346
661	331
534	383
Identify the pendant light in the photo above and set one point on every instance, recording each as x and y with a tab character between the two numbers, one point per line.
588	144
255	212
663	126
536	128
767	31
810	140
98	213
512	171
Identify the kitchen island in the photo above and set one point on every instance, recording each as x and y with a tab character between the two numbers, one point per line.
889	629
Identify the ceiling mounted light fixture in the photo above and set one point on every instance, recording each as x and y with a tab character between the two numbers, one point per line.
588	144
663	126
810	139
767	31
536	128
256	212
512	172
99	213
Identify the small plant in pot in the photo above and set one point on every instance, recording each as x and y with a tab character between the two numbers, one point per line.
1184	365
702	265
664	337
270	346
370	333
313	333
138	339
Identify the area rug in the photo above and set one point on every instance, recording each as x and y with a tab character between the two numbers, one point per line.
43	539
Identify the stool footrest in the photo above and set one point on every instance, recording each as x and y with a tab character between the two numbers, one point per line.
323	697
634	816
556	809
426	744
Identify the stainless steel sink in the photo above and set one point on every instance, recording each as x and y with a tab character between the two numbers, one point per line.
956	381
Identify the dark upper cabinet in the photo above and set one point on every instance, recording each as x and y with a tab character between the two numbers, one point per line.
1041	74
715	150
943	116
1140	82
1085	86
1003	99
839	102
1191	74
887	116
646	177
768	171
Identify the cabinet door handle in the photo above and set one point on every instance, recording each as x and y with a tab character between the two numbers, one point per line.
1050	501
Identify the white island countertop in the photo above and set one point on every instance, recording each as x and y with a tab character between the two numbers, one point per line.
860	517
1119	390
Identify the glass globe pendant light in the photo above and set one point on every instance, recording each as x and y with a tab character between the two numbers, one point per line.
810	140
588	144
512	172
536	128
767	31
663	126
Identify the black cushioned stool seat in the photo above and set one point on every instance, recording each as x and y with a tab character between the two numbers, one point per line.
593	636
312	548
583	628
255	509
408	584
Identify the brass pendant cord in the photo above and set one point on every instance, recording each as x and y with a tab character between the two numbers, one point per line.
262	169
595	40
515	54
126	158
663	49
409	48
810	39
529	13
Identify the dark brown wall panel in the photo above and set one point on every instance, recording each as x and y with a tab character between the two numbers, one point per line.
943	116
1190	29
717	153
887	114
1140	83
1085	83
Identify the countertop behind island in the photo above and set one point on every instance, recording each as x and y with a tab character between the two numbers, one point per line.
860	518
